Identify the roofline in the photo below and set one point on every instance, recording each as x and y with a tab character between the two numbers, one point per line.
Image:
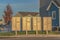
51	4
29	12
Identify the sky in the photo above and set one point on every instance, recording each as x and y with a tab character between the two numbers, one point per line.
19	6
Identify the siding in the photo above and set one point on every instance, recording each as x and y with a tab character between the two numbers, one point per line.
55	22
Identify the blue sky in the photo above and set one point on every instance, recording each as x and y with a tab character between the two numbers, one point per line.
19	5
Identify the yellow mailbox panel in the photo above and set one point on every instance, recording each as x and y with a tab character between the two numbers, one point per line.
13	24
28	23
24	23
34	23
39	23
47	23
16	23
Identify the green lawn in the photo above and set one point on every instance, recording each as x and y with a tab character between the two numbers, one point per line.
24	32
54	32
7	33
31	32
40	32
21	33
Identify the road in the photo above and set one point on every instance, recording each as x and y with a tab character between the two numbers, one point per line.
31	38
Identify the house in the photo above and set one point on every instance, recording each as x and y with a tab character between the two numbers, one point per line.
54	11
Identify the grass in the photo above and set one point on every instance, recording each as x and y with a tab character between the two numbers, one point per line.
31	32
54	32
21	33
7	33
40	32
24	33
11	33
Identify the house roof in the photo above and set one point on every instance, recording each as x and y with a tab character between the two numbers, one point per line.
44	10
27	13
56	3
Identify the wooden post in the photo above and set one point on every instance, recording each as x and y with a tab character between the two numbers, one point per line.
36	27
36	32
16	32
26	26
15	27
47	32
47	27
57	28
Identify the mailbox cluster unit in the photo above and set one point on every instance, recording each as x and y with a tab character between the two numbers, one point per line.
30	22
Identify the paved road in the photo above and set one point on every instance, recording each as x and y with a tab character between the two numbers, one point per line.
31	38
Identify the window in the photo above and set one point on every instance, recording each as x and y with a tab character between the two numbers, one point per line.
53	14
